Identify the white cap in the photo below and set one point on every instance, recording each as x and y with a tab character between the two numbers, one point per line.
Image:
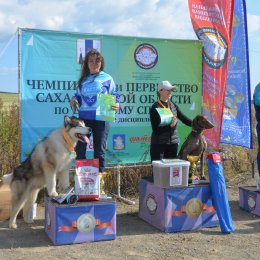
166	85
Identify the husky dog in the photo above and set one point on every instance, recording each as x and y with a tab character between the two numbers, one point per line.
47	164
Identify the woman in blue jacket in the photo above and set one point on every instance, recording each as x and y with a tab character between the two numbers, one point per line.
93	81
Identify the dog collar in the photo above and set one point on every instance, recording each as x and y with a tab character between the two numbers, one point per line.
73	153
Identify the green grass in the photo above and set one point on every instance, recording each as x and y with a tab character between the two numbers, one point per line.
9	132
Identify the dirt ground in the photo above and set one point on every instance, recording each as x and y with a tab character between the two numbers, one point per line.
137	239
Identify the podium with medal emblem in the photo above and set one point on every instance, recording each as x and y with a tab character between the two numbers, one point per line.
176	209
249	199
81	222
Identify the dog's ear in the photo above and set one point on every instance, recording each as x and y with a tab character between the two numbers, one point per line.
206	123
201	122
67	121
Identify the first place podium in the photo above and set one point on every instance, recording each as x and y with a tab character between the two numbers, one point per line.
176	209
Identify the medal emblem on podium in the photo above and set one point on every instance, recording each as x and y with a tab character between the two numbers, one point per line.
151	204
194	207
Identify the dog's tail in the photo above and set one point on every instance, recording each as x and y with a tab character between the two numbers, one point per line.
7	179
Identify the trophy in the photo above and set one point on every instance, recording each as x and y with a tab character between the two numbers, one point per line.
103	176
193	159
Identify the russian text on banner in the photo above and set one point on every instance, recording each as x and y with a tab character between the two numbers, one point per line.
212	23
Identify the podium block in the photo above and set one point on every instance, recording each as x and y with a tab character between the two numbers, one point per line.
176	209
81	222
249	199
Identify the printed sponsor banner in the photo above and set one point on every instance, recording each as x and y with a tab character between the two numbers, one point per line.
51	66
212	22
236	124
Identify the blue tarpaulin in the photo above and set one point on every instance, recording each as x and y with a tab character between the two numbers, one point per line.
219	193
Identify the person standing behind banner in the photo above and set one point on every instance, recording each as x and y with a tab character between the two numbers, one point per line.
165	138
93	81
256	99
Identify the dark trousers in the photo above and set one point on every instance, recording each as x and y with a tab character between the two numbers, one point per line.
258	139
100	130
166	151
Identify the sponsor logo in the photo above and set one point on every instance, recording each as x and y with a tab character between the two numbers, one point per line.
119	142
146	56
140	139
214	47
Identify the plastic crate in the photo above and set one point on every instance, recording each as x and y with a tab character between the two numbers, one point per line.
171	173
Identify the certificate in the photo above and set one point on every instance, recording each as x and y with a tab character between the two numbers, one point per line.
165	116
104	112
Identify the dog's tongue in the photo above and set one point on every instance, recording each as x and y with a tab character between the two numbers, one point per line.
86	139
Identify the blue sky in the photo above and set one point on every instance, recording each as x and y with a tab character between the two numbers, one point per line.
145	18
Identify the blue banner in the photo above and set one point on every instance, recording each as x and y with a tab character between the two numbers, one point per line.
236	124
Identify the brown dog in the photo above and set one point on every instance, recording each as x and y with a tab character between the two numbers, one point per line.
195	143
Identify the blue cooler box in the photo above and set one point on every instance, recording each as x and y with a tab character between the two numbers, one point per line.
81	222
176	209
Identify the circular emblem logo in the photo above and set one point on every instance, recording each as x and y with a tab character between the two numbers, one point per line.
251	202
194	207
146	56
214	47
151	204
86	223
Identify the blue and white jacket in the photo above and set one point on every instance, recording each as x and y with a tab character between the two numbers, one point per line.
92	85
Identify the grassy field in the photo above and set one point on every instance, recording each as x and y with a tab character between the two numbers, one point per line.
9	99
9	132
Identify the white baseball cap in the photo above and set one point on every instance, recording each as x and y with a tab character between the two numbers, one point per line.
166	85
